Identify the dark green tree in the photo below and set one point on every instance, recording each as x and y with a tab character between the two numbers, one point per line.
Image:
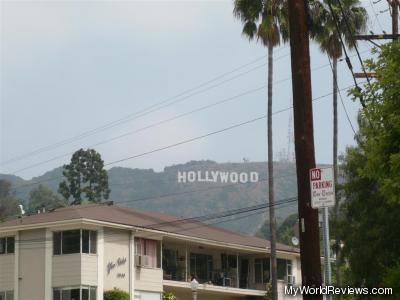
8	202
372	168
285	231
43	197
86	178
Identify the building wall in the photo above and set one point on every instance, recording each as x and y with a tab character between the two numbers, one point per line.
32	265
66	270
116	259
7	272
141	295
201	295
296	271
147	279
89	269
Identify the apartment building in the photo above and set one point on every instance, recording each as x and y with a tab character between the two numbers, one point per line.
78	252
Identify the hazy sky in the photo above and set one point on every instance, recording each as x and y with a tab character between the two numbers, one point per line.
72	66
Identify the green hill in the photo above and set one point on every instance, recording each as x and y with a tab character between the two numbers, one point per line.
161	191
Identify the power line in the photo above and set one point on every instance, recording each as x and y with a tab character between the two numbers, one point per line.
199	190
192	220
248	92
341	99
185	192
376	15
181	142
160	122
179	97
204	135
223	214
353	40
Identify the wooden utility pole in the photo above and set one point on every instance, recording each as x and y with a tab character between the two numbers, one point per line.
304	145
395	17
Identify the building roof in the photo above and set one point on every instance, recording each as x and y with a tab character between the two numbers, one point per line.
143	219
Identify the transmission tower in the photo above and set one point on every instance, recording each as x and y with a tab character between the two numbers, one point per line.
290	146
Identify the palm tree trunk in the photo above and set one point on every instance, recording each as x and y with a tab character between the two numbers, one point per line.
272	221
335	171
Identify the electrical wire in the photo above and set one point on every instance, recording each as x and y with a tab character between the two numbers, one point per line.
160	122
376	15
229	99
193	220
179	143
353	40
154	107
341	99
349	65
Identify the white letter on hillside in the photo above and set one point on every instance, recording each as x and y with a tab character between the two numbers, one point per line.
181	177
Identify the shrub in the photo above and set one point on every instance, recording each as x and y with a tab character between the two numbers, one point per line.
116	294
169	296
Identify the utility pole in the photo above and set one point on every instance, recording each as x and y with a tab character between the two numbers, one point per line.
304	145
395	17
395	7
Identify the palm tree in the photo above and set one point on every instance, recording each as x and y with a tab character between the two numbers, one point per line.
328	30
267	21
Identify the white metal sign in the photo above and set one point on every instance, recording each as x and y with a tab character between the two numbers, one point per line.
322	186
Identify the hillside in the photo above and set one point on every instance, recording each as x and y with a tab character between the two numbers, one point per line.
147	189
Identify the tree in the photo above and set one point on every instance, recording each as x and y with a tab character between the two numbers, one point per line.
8	202
285	231
43	197
85	175
327	31
267	21
372	176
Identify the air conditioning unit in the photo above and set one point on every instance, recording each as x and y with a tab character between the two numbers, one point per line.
290	279
141	261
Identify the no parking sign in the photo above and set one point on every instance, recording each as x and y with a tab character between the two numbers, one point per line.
322	185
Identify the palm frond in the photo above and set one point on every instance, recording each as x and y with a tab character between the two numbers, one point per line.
249	30
350	21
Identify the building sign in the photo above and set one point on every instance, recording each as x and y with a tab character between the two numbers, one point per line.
322	185
112	265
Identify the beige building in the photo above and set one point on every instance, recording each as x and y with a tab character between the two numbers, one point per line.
78	252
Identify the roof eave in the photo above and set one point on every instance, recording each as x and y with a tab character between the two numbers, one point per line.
85	221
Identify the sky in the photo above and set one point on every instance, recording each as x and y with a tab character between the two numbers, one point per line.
92	74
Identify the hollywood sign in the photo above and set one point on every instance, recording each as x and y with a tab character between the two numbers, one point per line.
217	176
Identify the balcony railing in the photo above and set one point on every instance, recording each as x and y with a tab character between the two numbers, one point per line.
216	277
212	267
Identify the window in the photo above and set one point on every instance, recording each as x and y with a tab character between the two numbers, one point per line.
89	241
72	294
284	268
57	243
82	293
75	241
85	294
7	245
202	266
262	270
71	241
92	293
228	261
9	295
10	244
149	249
93	242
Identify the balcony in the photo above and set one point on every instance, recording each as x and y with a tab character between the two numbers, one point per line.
219	270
